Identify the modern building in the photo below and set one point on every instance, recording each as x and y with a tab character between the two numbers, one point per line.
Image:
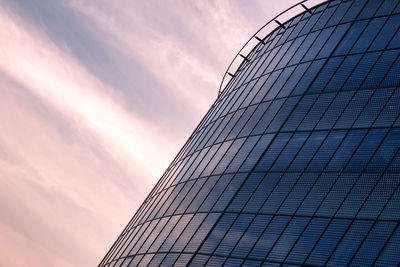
297	162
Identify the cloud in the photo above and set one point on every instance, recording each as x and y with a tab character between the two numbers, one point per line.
57	181
57	79
97	98
56	168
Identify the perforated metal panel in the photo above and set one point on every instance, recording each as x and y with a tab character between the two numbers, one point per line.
297	162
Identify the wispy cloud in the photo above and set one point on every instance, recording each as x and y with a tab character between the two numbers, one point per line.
56	78
97	98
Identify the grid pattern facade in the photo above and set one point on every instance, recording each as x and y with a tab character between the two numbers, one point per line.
297	162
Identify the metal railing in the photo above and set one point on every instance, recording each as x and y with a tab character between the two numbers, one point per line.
265	30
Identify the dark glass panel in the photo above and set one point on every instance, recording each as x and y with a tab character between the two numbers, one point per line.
339	13
293	79
279	83
307	151
215	193
175	233
343	73
368	35
390	253
386	151
234	234
273	151
327	149
387	7
229	192
202	232
242	154
353	109
287	239
251	235
299	112
316	193
337	194
241	122
350	242
304	47
318	43
373	243
266	87
307	239
354	10
246	191
380	195
346	150
262	192
386	34
298	193
367	149
290	52
361	71
268	238
370	9
325	75
327	242
316	112
351	37
256	153
253	120
379	70
217	233
213	160
187	234
324	18
283	113
216	261
279	193
268	116
373	108
290	151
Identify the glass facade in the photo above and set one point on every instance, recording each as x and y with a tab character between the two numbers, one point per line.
297	162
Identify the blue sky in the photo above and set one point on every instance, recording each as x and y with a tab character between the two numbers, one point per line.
97	97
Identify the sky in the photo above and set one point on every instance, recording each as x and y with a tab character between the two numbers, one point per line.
96	99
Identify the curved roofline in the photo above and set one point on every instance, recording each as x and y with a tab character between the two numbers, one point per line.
254	36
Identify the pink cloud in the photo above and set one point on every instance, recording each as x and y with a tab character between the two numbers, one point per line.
77	157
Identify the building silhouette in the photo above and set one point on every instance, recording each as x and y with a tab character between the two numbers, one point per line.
297	162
